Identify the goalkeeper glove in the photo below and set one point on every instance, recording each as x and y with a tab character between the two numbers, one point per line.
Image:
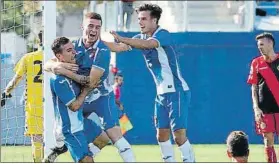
4	98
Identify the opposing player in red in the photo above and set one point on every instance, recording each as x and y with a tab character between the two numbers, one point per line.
264	78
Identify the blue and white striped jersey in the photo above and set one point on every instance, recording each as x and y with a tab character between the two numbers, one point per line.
162	63
96	56
64	92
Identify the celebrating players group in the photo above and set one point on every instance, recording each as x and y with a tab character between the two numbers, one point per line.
80	87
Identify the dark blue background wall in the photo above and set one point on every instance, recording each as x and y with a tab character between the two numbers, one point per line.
216	66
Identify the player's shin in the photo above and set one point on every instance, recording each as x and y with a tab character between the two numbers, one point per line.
167	151
270	154
125	150
187	153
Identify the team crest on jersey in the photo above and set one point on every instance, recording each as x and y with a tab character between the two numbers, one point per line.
263	125
93	52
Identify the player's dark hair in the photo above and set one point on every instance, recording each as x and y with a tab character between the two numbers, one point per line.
40	36
237	143
93	15
58	43
266	35
155	10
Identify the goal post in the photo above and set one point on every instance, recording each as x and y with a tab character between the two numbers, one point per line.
49	27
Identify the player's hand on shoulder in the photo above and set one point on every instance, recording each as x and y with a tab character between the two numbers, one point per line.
258	114
4	97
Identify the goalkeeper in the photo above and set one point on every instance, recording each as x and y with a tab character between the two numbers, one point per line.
30	65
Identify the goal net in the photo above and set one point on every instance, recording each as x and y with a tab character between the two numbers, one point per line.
21	21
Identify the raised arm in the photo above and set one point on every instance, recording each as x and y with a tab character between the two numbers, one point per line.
135	42
117	47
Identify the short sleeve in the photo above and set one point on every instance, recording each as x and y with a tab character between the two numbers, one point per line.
162	37
102	59
20	68
253	75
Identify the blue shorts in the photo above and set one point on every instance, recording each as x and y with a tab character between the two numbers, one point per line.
91	130
77	145
105	108
171	110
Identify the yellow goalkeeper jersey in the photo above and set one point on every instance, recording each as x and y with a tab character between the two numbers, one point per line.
31	66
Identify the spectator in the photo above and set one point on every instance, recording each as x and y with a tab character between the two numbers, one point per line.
126	7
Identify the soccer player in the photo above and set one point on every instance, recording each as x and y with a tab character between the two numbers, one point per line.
91	51
68	101
173	94
264	77
238	147
30	65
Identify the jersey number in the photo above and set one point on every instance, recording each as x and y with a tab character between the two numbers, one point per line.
37	77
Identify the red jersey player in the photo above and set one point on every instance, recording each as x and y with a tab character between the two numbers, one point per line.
264	78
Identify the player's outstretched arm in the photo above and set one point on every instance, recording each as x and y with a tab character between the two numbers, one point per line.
75	105
11	85
135	42
117	47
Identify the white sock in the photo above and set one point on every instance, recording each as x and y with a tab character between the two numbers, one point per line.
187	154
125	150
94	149
167	151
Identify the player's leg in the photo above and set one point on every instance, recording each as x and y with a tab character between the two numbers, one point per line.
269	147
34	129
78	147
267	128
107	109
178	119
162	125
96	137
59	149
37	147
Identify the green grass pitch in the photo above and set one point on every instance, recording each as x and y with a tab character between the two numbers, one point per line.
143	153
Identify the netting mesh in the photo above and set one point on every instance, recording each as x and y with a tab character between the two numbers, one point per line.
21	21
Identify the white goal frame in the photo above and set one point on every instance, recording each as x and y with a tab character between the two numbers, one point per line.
49	28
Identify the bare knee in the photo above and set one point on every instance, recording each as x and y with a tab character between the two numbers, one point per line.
114	133
268	139
101	141
87	159
180	136
163	135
